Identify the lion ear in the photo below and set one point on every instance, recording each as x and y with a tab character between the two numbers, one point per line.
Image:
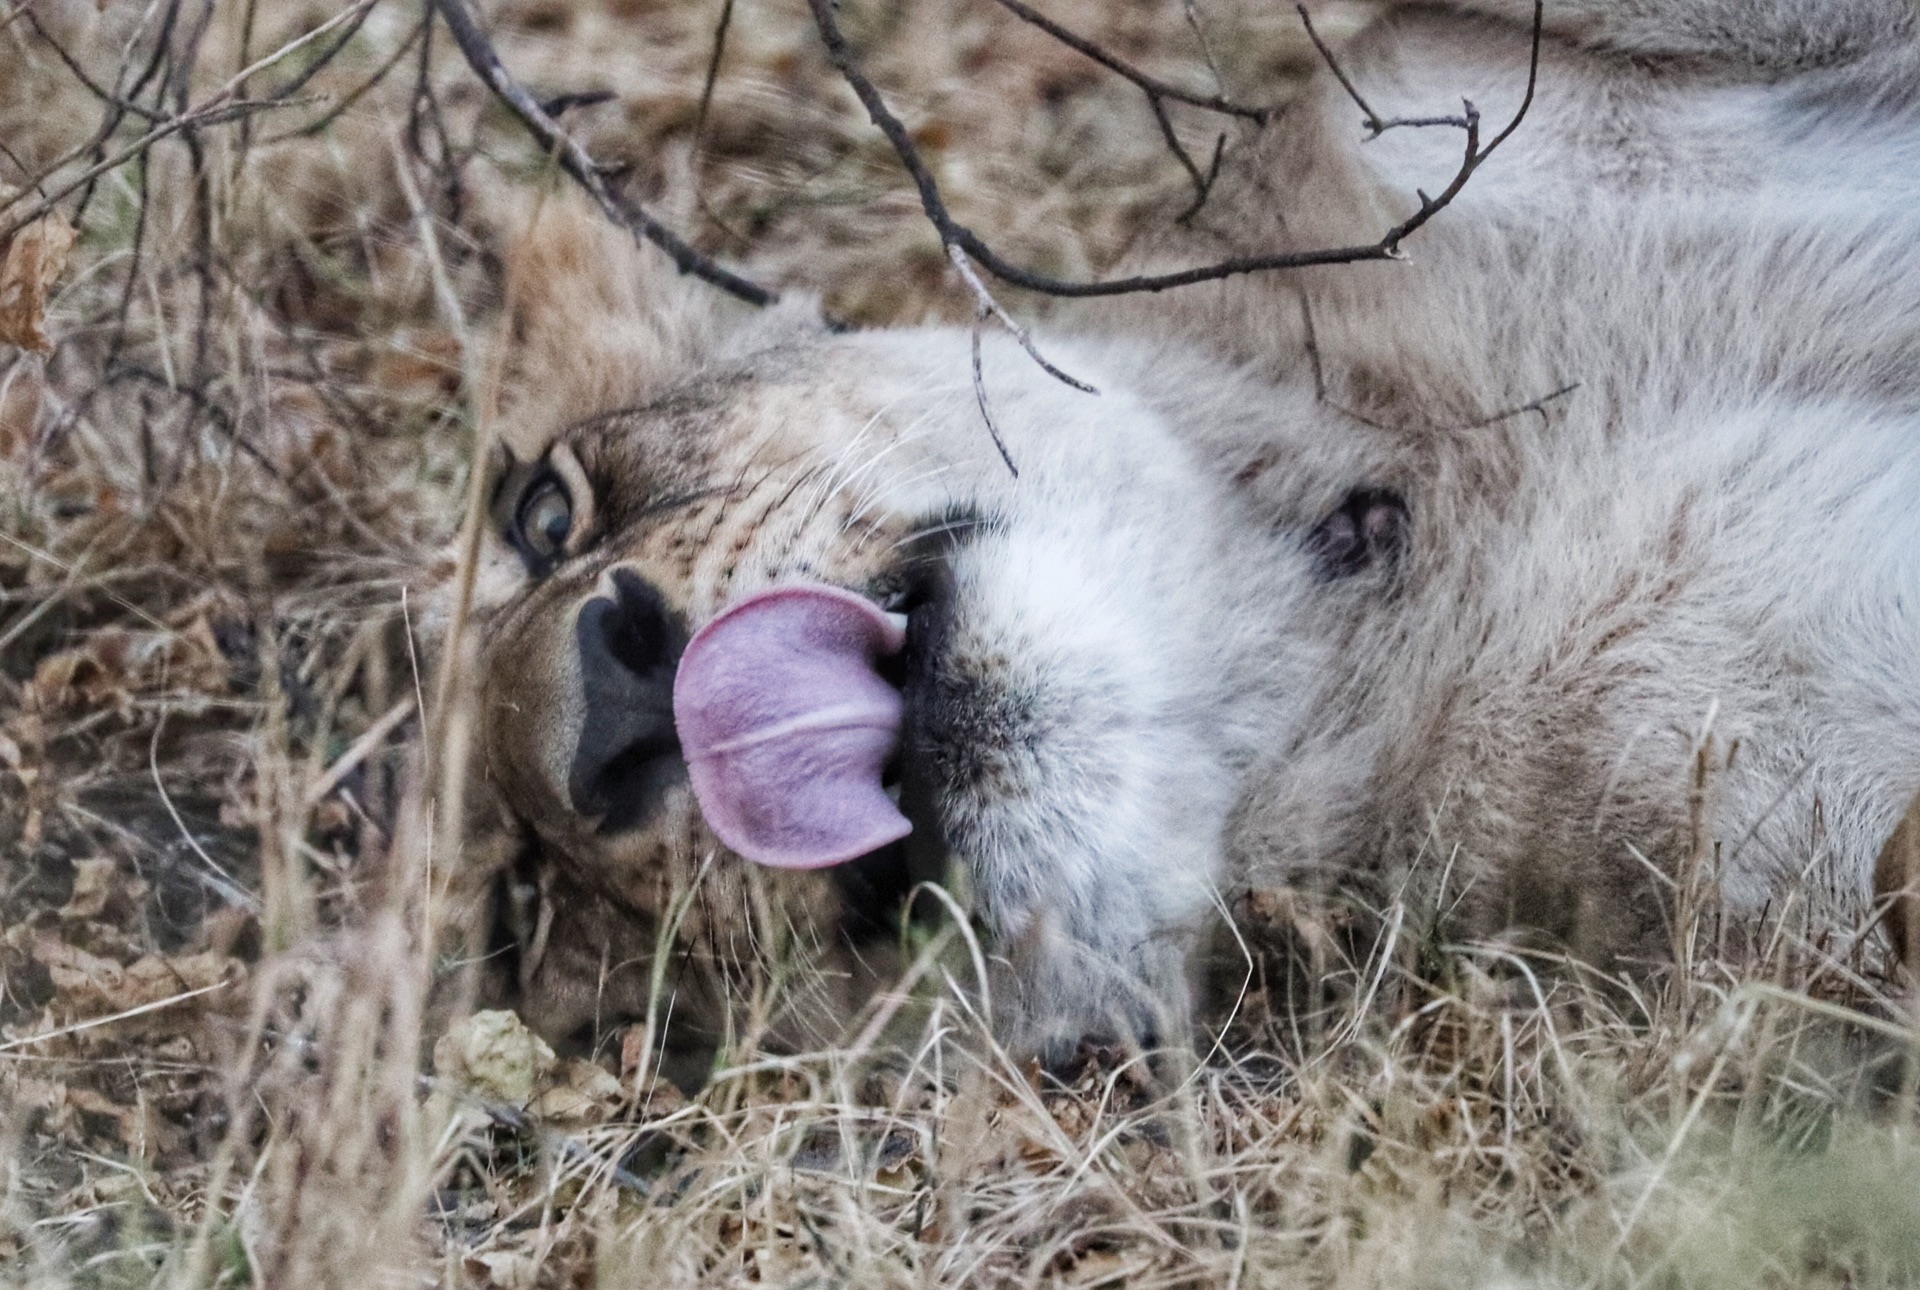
595	321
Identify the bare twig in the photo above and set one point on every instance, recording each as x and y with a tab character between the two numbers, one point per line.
954	234
980	397
223	105
1376	124
1537	405
720	30
298	81
1159	93
1153	86
126	1014
578	164
985	307
989	307
1192	11
221	419
353	96
365	746
1203	185
79	73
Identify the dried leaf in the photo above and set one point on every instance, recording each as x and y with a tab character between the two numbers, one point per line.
93	886
580	1093
508	1269
35	259
495	1055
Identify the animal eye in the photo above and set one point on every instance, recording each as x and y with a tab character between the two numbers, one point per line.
544	518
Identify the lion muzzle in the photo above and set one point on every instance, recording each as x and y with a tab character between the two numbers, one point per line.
787	727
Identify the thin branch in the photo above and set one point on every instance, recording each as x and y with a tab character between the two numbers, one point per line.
209	114
1376	124
989	307
223	105
707	86
79	73
93	1023
298	81
1192	11
1159	93
980	397
221	419
720	30
575	160
346	102
1537	405
1153	86
26	171
1179	150
955	235
1204	186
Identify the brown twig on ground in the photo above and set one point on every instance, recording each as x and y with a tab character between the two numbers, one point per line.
955	234
584	170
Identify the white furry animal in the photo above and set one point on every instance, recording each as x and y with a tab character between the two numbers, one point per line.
1707	548
1297	598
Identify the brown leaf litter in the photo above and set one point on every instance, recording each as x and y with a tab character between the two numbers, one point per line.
36	257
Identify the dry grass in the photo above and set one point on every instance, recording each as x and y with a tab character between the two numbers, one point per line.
228	489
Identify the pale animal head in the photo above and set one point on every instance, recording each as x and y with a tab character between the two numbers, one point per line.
1037	683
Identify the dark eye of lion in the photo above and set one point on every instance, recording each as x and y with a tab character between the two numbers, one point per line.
544	518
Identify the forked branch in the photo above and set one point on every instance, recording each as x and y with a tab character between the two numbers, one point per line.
580	165
1159	93
1154	88
1376	124
955	235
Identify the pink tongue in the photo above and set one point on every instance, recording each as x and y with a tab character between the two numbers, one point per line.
786	727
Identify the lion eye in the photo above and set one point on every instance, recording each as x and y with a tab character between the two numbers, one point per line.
544	518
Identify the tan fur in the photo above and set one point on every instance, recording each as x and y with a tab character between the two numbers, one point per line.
1665	619
1896	884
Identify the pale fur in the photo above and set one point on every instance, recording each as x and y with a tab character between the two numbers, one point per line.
1708	222
1676	606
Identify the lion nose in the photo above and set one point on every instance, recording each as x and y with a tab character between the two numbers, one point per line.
629	753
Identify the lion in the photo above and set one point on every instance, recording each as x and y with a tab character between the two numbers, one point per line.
1561	566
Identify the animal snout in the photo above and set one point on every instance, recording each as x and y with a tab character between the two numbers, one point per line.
628	755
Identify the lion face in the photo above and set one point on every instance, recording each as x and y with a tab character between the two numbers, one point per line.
1063	645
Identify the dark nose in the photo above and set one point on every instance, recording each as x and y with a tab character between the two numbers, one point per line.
629	754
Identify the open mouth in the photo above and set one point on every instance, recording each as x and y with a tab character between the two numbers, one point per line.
786	725
796	715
